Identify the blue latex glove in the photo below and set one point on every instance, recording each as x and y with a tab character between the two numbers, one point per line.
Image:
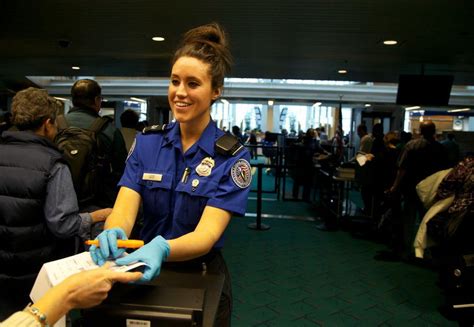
108	245
152	253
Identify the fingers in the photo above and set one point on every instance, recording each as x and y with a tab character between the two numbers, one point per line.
104	238
127	259
112	239
96	255
127	277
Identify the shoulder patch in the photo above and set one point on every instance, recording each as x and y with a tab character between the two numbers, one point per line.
241	173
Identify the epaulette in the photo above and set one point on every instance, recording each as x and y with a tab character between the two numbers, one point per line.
154	129
228	145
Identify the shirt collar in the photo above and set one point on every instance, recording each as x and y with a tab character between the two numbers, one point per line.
206	141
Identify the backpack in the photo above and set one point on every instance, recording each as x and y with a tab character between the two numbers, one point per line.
84	155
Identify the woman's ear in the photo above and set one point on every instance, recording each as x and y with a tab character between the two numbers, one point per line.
217	93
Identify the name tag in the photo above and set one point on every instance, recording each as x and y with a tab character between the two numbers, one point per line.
152	177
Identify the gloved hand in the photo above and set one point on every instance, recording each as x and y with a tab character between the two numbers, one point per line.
108	245
152	253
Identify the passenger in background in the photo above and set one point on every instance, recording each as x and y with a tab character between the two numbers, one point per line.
364	175
365	139
419	159
252	140
452	148
338	146
38	206
303	171
6	123
125	136
87	98
238	134
405	137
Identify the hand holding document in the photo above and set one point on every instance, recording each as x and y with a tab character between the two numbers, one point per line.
54	272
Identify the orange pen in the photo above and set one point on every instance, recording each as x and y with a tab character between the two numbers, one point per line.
130	244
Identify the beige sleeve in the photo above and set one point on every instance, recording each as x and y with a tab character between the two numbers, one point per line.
21	319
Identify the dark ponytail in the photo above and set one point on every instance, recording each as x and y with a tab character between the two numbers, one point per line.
209	44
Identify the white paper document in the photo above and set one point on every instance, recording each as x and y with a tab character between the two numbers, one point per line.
54	272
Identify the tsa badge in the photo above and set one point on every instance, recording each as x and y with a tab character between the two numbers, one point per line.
241	173
205	167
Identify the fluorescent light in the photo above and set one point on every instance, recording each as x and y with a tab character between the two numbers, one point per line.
158	38
390	42
62	99
459	110
367	105
76	67
317	104
224	101
270	102
138	99
412	108
342	71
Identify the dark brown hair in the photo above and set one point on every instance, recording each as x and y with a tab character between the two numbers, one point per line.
84	92
31	107
207	43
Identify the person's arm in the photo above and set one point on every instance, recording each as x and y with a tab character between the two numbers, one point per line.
79	291
125	210
398	179
209	230
61	209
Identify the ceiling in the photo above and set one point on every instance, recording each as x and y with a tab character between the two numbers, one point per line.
289	39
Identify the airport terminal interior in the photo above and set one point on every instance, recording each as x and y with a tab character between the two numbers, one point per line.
319	93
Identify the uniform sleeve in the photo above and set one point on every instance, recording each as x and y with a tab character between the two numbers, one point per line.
230	196
129	178
61	209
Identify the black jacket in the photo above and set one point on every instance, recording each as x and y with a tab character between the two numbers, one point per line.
26	161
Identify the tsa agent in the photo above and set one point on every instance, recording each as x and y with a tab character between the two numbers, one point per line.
190	175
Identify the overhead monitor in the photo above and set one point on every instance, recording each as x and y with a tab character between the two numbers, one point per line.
424	90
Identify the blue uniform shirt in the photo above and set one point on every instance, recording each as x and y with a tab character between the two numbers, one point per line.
173	205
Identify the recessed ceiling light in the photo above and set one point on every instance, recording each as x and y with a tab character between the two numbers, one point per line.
342	71
158	38
318	103
390	42
76	67
270	102
367	105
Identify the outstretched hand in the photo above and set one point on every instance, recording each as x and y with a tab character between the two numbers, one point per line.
152	253
108	245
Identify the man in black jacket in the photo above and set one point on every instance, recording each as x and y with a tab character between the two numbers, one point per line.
87	98
38	207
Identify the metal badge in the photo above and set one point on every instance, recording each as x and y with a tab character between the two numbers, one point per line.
194	184
205	167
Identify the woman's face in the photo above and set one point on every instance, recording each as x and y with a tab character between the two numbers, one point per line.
190	91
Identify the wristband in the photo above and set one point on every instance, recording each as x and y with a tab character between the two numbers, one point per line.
41	317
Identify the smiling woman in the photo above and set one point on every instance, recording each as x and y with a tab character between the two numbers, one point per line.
189	189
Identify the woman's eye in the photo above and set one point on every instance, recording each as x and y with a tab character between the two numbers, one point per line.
175	82
193	84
